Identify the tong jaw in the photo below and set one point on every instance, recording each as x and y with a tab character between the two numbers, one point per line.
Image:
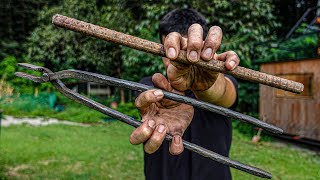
37	79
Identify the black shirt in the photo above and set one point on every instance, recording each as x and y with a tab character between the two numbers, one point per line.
209	130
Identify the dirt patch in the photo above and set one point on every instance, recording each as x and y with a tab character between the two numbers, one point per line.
47	162
10	120
14	171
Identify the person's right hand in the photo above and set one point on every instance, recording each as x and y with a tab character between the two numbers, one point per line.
160	116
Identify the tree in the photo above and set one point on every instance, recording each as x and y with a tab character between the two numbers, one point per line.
243	22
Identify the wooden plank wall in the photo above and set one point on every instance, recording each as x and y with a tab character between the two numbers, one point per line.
295	114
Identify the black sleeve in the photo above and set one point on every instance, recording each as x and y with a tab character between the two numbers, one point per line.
235	83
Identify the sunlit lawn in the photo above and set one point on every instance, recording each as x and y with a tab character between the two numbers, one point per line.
104	152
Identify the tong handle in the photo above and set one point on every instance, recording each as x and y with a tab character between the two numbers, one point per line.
133	122
48	75
158	49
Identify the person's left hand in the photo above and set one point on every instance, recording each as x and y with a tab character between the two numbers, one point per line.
160	115
183	77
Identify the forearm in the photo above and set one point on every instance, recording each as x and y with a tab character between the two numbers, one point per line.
222	92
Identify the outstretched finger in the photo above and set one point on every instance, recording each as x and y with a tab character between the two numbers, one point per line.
176	146
161	82
195	42
172	45
212	43
143	132
156	139
146	98
231	58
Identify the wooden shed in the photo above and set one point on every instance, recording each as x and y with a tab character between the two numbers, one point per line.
296	114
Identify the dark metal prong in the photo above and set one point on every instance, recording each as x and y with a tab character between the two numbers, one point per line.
33	78
34	67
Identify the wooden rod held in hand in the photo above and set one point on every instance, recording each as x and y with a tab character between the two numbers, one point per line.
158	49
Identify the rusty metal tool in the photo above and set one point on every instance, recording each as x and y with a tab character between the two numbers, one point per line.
157	49
54	78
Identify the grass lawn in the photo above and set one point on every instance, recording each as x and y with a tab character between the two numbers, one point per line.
104	152
69	152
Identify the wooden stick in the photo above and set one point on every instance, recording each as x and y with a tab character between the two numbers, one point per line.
158	49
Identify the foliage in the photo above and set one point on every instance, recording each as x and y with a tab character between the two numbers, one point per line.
104	152
9	66
5	88
64	49
304	46
61	49
17	22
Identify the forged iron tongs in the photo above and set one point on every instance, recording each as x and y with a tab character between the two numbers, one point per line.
54	78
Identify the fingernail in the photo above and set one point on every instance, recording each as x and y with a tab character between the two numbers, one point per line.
171	53
193	55
232	63
176	140
207	53
151	123
161	128
158	93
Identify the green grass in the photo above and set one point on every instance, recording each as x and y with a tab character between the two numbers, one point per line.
67	152
104	152
283	161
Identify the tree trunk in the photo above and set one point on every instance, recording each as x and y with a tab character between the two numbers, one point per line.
119	62
122	96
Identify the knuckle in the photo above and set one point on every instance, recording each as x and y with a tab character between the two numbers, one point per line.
157	140
137	102
195	44
145	131
149	96
177	150
174	35
148	149
232	53
212	43
196	26
174	151
133	139
153	144
172	39
233	56
215	28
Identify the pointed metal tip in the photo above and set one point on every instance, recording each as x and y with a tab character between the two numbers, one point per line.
29	77
30	66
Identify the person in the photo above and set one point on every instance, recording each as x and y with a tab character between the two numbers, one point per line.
186	29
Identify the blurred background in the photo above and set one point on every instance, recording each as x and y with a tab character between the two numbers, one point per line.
276	36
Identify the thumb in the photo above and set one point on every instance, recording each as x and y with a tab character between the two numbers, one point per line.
161	82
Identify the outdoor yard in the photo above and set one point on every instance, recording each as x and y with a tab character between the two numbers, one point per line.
104	152
85	144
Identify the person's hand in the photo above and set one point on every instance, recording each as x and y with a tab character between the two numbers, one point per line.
183	77
160	116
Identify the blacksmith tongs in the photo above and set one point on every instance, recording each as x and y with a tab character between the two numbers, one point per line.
54	78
